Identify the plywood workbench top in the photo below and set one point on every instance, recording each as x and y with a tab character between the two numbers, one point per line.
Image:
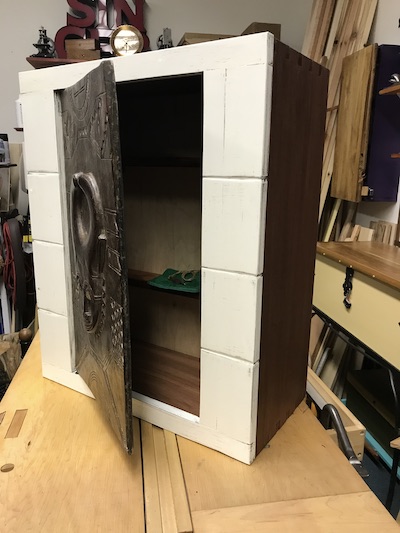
70	475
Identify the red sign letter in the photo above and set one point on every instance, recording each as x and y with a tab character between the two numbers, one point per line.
85	13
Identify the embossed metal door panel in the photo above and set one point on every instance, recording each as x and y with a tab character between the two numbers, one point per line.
93	187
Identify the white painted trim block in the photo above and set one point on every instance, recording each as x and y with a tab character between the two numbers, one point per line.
231	314
213	122
40	131
45	207
228	396
68	379
196	432
247	125
233	224
54	340
49	267
252	49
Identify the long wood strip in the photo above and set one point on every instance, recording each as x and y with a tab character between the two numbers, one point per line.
324	24
347	514
351	210
181	503
349	164
337	20
324	28
332	220
151	492
366	22
312	28
137	481
345	37
394	89
327	168
164	483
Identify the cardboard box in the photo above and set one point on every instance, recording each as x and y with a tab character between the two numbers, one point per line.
258	27
195	38
85	49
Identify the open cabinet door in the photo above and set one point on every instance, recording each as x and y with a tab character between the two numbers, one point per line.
93	196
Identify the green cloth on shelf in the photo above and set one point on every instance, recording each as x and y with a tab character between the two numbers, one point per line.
178	280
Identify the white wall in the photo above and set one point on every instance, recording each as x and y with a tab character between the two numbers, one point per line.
20	21
386	24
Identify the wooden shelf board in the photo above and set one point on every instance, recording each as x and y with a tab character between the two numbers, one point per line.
167	376
393	89
44	62
395	156
139	278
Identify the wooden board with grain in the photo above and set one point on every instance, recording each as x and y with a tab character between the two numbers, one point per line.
181	503
353	123
347	514
70	474
346	32
167	506
288	469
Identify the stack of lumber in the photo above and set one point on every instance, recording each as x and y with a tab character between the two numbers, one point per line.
343	228
383	231
336	29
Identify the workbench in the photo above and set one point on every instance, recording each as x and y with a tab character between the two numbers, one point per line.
68	473
370	321
374	315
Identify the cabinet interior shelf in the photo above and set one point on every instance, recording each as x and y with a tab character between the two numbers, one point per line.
167	376
139	278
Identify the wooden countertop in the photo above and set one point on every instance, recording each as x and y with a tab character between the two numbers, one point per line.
374	259
70	475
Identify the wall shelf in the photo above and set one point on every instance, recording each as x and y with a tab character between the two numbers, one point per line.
44	62
393	89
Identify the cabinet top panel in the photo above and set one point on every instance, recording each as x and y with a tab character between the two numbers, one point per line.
226	53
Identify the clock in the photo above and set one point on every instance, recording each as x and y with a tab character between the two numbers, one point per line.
126	40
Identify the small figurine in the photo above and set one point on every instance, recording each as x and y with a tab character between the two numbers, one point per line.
165	40
45	45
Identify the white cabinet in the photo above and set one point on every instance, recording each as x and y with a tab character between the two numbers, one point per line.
209	159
